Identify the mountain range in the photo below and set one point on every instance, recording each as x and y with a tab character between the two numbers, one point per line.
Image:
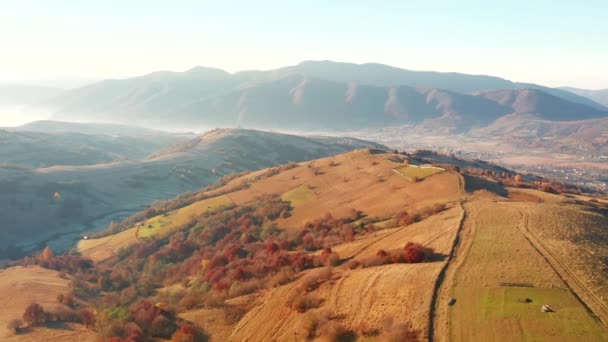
318	95
600	96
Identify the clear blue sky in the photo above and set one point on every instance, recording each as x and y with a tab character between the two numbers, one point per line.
549	42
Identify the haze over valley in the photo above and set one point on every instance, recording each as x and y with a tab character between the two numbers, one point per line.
317	171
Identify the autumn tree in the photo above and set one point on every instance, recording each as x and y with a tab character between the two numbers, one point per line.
86	317
34	314
46	254
185	333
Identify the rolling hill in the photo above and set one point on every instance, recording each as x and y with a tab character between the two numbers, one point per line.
31	148
316	94
59	202
320	244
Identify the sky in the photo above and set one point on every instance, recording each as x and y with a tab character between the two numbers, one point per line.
554	43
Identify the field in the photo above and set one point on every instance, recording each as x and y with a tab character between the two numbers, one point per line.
28	285
298	195
500	272
357	180
362	298
413	172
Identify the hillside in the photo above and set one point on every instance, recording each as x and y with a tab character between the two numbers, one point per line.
600	96
320	244
68	200
28	285
387	76
546	106
314	94
31	147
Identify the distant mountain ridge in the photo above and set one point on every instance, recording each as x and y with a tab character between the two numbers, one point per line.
600	96
316	95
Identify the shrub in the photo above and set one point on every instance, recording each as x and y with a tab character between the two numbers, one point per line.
332	331
185	333
162	327
234	313
415	252
86	317
34	314
305	301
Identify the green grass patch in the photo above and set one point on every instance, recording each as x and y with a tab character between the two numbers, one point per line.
178	218
413	172
298	195
503	310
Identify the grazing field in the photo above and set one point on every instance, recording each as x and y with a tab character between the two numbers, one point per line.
416	172
503	281
298	195
359	180
163	224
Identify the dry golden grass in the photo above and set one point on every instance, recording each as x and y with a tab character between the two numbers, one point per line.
362	297
499	269
21	286
359	180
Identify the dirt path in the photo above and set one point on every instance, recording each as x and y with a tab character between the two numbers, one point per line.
438	318
587	298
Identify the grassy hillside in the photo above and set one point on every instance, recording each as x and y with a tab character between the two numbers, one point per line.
346	248
60	203
34	149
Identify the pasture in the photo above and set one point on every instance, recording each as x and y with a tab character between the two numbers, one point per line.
413	172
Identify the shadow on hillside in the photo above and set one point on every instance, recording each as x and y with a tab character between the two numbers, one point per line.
435	257
475	183
59	325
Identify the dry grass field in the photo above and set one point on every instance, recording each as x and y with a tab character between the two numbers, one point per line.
28	285
362	299
418	173
501	280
